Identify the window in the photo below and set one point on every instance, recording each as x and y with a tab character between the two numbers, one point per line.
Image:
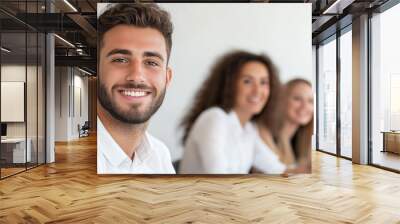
385	89
346	94
327	97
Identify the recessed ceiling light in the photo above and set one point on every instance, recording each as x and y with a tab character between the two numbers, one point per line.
337	7
64	40
5	50
70	5
84	71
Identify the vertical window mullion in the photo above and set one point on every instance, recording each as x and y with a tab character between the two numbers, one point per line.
0	95
317	96
369	79
26	86
37	89
338	74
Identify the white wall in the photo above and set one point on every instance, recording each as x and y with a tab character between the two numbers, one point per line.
33	125
80	83
203	32
14	72
68	81
61	104
18	73
12	100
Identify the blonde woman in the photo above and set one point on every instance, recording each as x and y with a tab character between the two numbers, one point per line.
293	125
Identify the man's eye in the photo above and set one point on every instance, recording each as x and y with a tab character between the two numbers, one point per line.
152	63
120	60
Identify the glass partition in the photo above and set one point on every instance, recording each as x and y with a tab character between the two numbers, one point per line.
31	98
14	153
22	77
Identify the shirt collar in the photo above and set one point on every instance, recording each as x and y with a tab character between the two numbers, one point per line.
113	152
237	125
144	150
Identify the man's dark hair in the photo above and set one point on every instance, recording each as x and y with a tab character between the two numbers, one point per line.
145	15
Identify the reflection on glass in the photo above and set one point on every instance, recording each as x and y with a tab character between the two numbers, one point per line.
14	153
346	94
327	97
386	89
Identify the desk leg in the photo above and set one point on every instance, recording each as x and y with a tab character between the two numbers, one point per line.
384	143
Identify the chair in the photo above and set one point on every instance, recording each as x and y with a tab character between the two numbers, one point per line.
84	130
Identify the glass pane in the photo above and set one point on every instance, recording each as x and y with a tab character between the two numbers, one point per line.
346	94
32	85
31	100
41	98
13	86
327	97
386	89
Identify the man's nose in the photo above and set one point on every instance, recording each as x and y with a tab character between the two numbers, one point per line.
135	71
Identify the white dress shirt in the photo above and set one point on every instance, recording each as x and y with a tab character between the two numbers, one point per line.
151	157
219	144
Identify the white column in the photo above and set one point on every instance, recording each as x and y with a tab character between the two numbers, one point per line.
50	92
360	90
50	100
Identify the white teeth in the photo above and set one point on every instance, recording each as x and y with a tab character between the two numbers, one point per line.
254	99
134	93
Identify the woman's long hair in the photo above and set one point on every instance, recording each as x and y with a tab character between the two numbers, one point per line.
301	141
219	89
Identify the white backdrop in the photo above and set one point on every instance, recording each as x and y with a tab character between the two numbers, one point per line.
205	31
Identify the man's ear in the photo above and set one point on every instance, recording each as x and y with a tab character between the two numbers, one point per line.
169	76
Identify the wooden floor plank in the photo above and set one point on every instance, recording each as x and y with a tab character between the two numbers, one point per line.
70	191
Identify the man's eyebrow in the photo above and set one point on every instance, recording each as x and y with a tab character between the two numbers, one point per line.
119	51
153	54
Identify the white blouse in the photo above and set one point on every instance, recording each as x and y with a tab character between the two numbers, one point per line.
152	157
218	144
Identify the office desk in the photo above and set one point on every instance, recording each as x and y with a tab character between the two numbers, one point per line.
13	150
391	141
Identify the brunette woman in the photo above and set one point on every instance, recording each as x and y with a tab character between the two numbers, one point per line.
220	136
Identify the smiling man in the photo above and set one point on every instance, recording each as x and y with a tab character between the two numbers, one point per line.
135	45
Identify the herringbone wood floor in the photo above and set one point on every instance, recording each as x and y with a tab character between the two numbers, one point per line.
70	191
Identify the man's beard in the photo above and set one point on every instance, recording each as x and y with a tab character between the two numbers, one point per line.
132	116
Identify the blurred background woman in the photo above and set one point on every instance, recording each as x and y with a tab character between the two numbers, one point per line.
294	121
220	136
